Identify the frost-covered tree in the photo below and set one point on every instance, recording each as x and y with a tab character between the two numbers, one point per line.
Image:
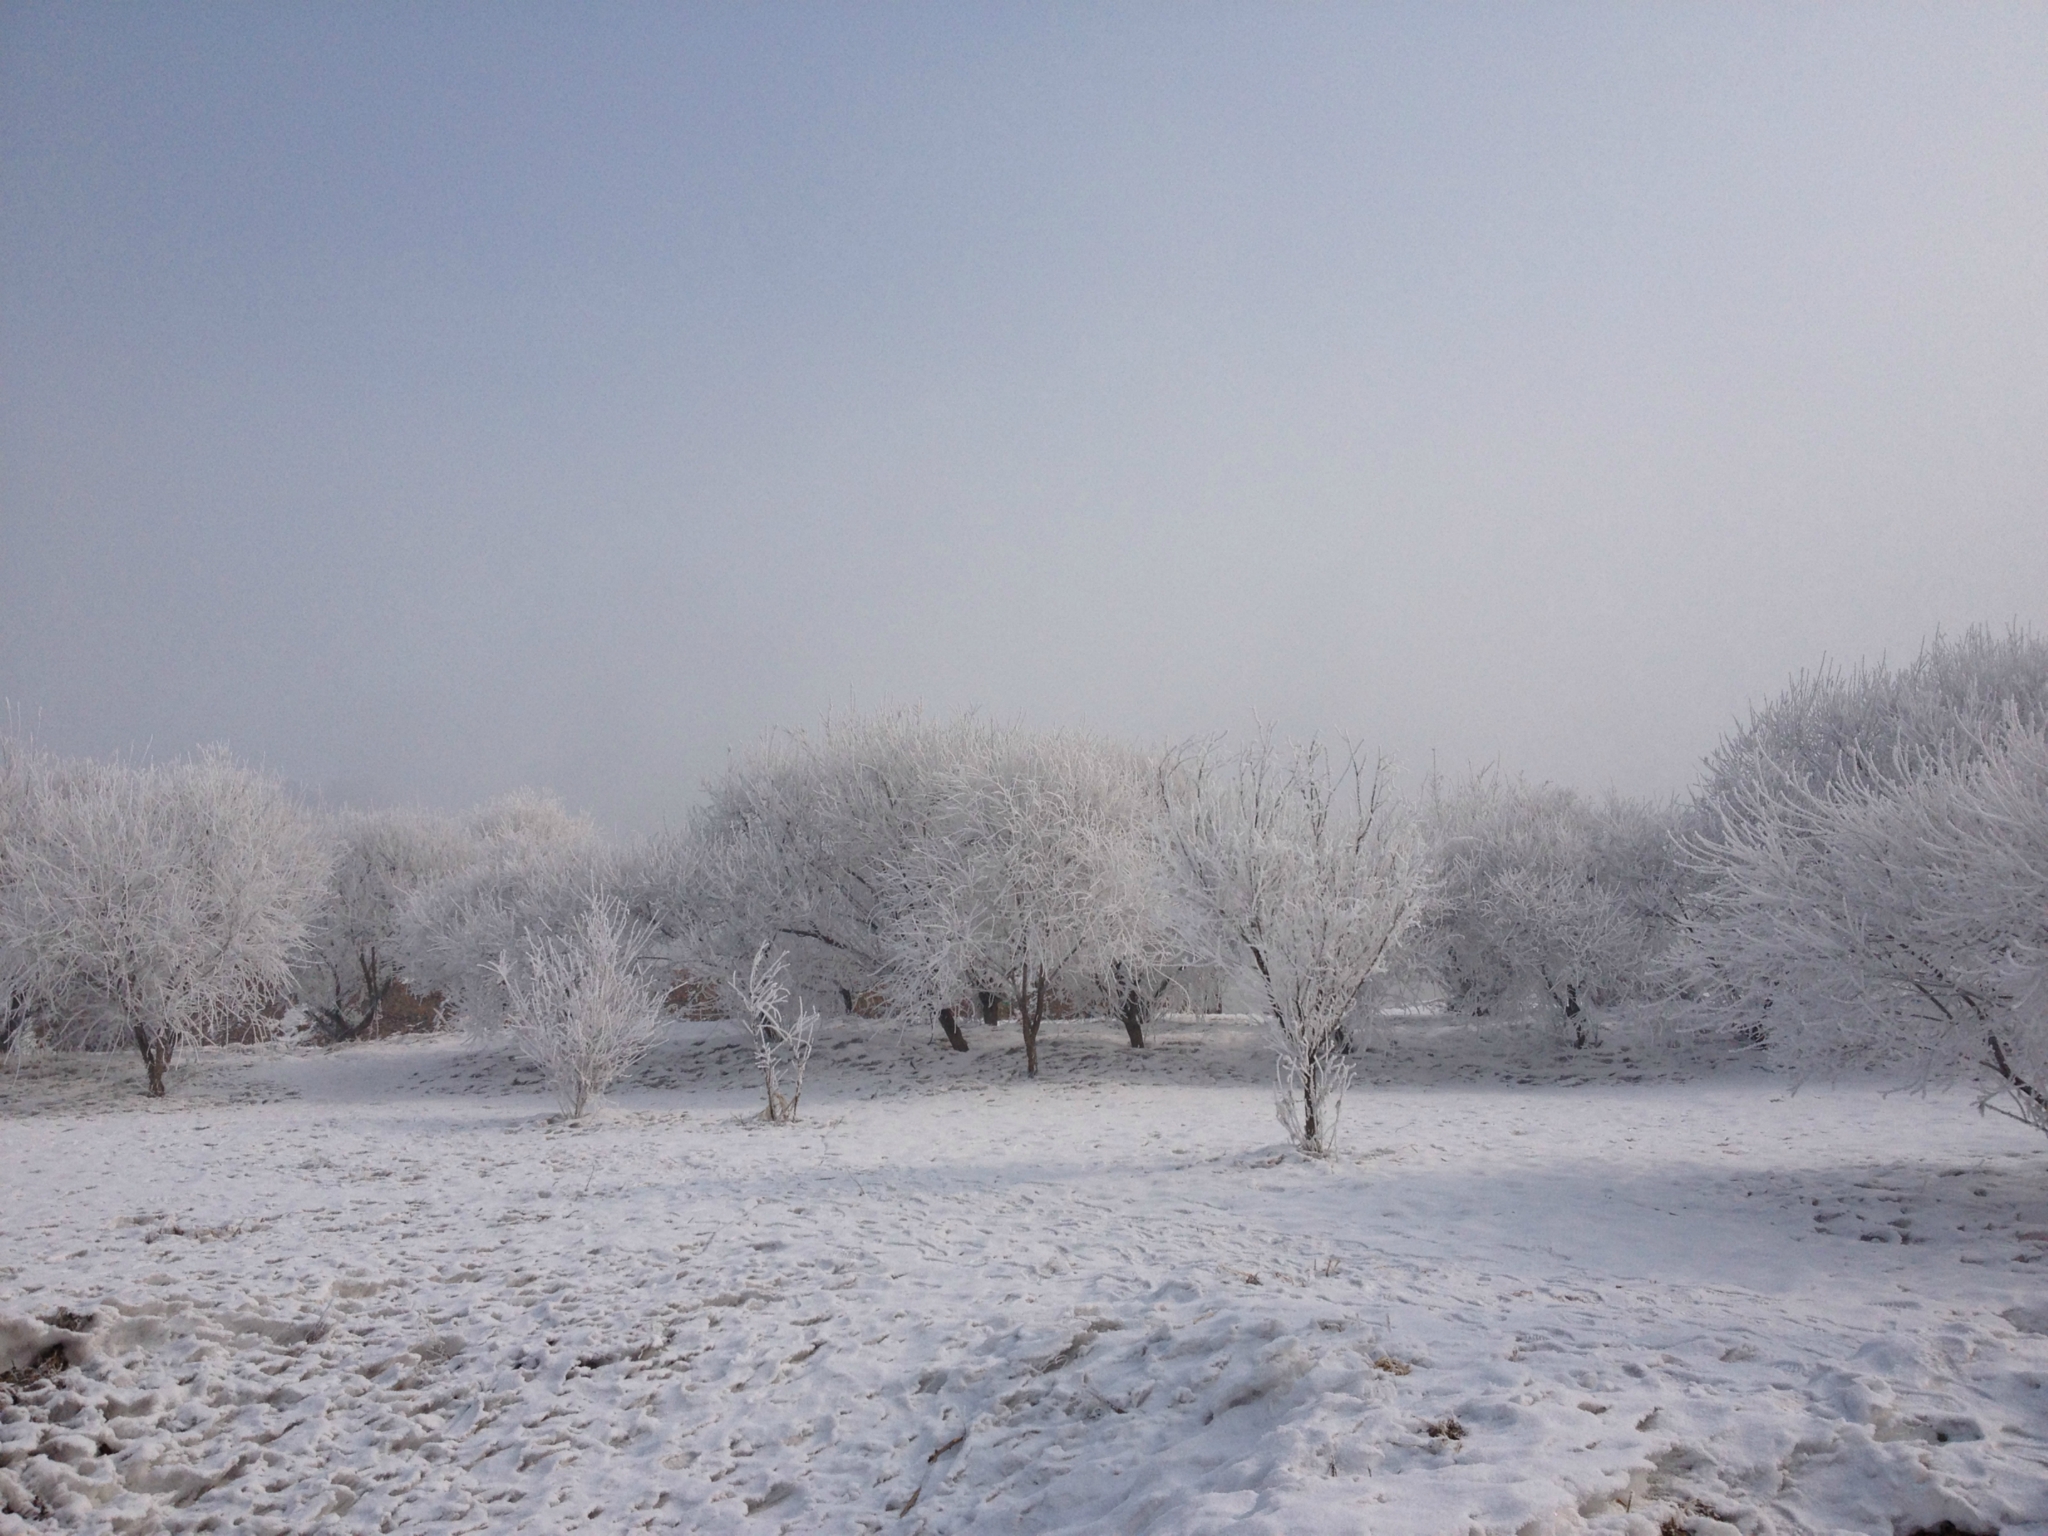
802	844
19	989
782	1027
1130	989
528	868
1047	873
1300	875
1874	724
380	861
156	903
580	1002
927	863
1900	921
1833	737
1538	890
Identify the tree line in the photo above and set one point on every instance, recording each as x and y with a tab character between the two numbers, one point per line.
1861	873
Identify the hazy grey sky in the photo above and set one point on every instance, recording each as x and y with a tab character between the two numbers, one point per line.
432	399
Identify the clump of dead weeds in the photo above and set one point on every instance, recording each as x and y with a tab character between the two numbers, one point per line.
45	1364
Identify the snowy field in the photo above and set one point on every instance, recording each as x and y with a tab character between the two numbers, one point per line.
382	1289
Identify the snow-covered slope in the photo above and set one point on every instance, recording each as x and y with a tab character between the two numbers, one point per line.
380	1289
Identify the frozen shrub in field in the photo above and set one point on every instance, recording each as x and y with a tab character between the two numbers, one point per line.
525	866
782	1040
158	903
579	1003
1902	921
1302	877
380	861
1541	891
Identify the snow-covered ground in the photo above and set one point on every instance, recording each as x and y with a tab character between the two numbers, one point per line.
381	1289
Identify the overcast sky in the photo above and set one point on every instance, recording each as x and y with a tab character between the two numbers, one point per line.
428	400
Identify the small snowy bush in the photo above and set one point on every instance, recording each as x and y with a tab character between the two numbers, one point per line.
579	1004
782	1040
1301	876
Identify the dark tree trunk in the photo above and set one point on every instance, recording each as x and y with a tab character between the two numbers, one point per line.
156	1057
1576	1017
1309	1133
952	1028
1133	1013
336	1025
1573	1014
1030	1014
15	1022
989	1004
846	998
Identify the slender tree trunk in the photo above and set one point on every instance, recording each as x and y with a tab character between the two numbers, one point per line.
1029	1018
952	1029
846	998
1309	1133
1134	1019
156	1057
375	988
768	1042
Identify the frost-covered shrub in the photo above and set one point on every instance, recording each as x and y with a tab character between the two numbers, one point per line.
1902	921
527	867
579	1002
380	861
1301	876
1541	891
154	903
782	1038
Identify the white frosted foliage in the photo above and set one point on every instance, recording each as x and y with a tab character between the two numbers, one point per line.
1302	875
580	1005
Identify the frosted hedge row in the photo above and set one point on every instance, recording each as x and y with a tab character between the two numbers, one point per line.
1861	874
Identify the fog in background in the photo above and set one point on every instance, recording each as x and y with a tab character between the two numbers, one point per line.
429	400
